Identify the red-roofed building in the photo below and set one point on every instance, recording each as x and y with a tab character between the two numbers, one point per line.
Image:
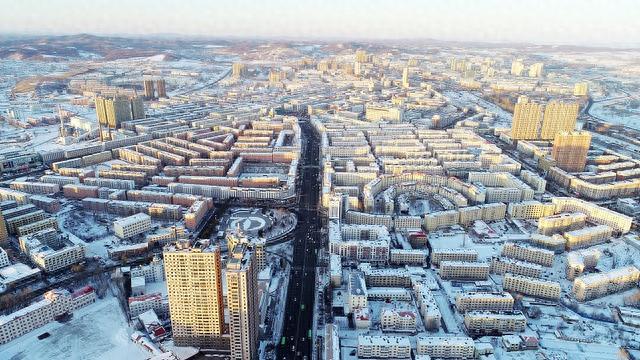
83	297
398	320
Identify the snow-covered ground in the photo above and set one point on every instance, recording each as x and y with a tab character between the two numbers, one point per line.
617	112
471	99
98	331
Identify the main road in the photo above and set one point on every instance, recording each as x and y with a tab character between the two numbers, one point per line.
296	338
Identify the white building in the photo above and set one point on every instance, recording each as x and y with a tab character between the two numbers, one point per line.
40	313
428	306
445	347
492	322
531	286
528	253
356	292
595	213
464	270
132	225
408	257
335	269
593	286
455	254
4	258
503	265
588	236
383	347
492	301
392	319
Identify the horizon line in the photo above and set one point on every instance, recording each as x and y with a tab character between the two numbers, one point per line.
186	36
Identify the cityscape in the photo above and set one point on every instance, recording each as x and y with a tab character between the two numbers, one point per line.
368	193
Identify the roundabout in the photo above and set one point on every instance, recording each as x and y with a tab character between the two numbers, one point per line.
270	224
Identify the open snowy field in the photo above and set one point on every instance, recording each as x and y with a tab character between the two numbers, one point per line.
98	331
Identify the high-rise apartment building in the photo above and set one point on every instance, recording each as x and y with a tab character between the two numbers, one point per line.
149	89
581	89
517	67
161	87
118	111
558	116
101	110
405	77
194	284
137	108
242	302
526	120
535	70
570	150
362	56
535	121
4	236
238	69
112	112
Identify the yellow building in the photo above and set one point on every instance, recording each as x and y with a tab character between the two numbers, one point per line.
517	67
112	112
535	70
242	301
362	56
526	120
4	236
570	150
558	116
405	77
194	286
581	89
238	69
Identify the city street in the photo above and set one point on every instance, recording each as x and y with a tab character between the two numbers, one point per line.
296	340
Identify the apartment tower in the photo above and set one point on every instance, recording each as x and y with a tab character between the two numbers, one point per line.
558	116
149	89
526	120
194	284
242	302
161	86
570	150
405	77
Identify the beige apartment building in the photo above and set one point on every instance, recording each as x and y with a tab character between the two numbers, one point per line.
194	285
132	225
502	265
596	285
455	254
464	270
531	209
531	254
595	213
558	117
526	120
492	301
552	224
588	236
570	150
491	322
383	347
446	347
531	286
242	301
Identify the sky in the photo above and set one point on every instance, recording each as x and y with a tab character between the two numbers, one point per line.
579	22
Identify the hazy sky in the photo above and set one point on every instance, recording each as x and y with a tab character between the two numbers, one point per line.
596	22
